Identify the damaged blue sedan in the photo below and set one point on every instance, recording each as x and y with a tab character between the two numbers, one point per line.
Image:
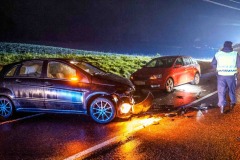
66	86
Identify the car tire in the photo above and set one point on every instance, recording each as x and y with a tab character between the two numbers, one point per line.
102	110
169	85
6	108
196	79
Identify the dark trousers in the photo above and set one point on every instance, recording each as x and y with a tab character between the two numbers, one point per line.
226	84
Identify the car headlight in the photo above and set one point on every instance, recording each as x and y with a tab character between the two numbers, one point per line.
125	107
157	76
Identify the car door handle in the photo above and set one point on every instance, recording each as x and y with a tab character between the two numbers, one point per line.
48	84
18	81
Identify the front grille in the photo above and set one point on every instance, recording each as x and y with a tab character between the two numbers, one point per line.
140	78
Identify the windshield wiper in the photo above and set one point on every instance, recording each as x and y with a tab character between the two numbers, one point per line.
99	73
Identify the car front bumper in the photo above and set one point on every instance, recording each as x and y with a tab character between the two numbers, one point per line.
137	108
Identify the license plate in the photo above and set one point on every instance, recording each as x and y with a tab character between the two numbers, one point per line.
139	82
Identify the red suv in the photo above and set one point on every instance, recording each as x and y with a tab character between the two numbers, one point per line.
167	72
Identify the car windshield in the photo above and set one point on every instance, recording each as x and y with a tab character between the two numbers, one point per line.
88	68
164	62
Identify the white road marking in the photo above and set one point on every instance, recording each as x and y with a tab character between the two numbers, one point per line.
23	118
113	140
94	148
118	138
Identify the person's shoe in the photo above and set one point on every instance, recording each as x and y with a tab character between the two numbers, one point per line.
232	105
221	109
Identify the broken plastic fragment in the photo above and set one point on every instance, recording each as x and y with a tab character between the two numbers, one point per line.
199	113
171	114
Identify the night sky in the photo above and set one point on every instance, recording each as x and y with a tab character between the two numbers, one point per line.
190	27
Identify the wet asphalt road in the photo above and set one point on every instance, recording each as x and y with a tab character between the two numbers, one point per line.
51	136
196	135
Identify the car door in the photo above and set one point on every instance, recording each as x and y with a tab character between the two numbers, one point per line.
179	72
194	69
27	84
189	69
64	90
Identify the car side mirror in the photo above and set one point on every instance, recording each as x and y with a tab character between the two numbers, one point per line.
144	63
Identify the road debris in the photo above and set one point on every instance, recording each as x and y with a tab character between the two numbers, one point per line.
198	94
199	113
171	114
155	122
238	139
202	106
158	107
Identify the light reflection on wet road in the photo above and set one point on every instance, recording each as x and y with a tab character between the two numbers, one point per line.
53	136
186	93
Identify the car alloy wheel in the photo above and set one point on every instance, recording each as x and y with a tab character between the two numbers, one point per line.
169	85
196	79
102	110
6	108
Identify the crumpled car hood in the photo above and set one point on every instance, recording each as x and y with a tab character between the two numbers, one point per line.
111	79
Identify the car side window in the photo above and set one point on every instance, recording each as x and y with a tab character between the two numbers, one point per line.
193	61
60	71
179	61
31	69
11	72
186	61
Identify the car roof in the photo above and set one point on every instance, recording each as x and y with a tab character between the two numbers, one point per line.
6	67
40	59
44	59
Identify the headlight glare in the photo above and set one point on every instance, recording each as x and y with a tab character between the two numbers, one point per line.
157	76
125	108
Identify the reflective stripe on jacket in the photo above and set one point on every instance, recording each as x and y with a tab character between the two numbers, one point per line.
226	63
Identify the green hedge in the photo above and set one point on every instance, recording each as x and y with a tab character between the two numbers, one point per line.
122	65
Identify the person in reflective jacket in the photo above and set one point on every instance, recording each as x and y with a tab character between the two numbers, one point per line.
226	62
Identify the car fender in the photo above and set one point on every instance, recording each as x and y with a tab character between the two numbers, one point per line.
6	92
95	95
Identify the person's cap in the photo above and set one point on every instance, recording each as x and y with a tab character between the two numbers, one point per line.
227	44
227	47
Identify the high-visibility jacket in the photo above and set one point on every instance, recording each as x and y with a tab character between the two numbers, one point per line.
226	63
